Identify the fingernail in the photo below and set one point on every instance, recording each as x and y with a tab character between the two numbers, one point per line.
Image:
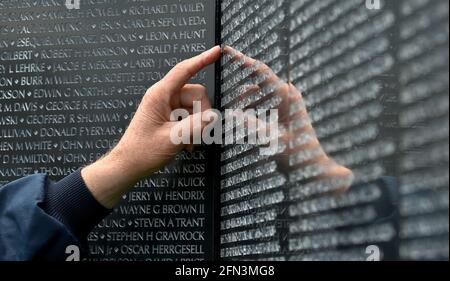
211	51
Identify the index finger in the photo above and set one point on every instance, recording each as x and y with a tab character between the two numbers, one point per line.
185	70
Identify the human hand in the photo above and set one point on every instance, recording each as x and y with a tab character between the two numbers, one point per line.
146	145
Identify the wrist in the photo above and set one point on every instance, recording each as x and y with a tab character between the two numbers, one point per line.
109	179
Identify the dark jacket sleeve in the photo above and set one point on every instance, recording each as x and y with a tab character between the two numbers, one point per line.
39	219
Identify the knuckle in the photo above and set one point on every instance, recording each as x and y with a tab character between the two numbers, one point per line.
150	91
263	67
201	88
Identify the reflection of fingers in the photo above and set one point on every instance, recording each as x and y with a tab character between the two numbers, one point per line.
343	175
308	155
303	148
295	93
259	67
268	93
265	131
246	61
238	56
285	105
261	73
301	124
296	101
246	91
192	93
249	90
240	93
307	144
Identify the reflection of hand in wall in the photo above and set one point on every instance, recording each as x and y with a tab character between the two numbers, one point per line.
303	148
